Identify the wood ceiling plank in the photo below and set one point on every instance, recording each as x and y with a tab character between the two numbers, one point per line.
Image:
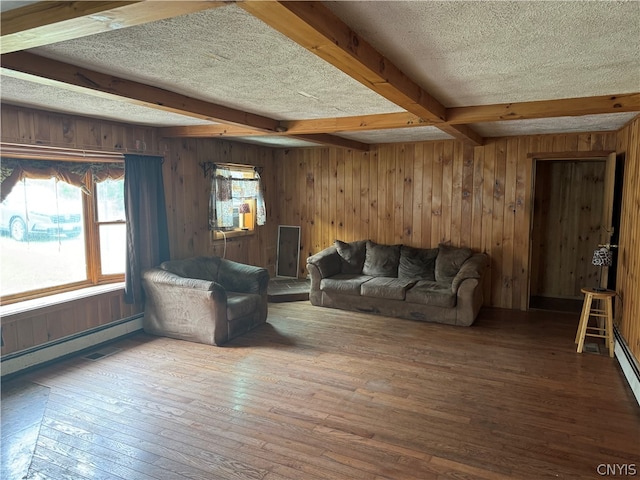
316	28
568	107
44	23
51	72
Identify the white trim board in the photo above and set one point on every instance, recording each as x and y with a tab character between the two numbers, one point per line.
629	366
14	363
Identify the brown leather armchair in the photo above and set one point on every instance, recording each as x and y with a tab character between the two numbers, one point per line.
204	299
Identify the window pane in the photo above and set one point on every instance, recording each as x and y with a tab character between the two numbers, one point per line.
112	248
110	200
42	243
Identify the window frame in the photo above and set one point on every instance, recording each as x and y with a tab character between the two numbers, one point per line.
94	275
218	235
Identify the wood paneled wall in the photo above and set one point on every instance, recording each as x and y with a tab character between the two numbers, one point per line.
421	194
36	327
415	193
187	197
628	278
27	126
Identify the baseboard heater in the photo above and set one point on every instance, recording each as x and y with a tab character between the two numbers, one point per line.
628	363
16	362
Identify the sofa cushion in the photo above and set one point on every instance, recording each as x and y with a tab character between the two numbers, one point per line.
449	261
346	283
381	260
417	263
203	268
436	294
386	287
351	255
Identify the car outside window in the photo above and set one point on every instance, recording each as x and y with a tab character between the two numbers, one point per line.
57	238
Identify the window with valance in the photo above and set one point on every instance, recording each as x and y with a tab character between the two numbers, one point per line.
62	220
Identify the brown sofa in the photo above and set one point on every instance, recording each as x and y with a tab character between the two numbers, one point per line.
443	284
204	299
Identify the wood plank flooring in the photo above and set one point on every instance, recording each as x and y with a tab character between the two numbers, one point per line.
326	394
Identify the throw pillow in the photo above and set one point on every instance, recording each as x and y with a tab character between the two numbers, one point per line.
449	261
351	255
418	263
381	260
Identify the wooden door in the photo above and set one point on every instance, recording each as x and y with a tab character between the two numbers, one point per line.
572	215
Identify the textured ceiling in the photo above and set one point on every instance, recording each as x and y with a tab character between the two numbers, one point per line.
463	53
483	52
227	56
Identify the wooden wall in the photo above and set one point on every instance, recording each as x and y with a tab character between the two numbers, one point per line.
415	193
187	197
567	213
421	194
20	125
628	278
41	325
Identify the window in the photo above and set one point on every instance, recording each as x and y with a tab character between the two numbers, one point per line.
57	237
110	222
236	205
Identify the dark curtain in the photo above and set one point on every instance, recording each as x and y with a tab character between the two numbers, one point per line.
147	231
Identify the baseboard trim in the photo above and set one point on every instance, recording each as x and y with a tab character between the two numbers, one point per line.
628	363
18	362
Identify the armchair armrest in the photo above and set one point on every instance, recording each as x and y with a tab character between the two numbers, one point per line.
474	267
165	279
241	278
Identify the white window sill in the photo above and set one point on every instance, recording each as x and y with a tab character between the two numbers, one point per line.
58	298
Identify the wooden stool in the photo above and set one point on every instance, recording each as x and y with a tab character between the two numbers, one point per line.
606	331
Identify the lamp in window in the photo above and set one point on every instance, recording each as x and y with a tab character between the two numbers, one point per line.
243	209
602	257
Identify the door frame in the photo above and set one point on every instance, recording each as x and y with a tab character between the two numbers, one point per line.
606	228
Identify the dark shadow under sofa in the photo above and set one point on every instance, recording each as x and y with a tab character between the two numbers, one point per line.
443	284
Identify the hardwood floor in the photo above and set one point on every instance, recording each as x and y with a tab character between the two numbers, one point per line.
327	394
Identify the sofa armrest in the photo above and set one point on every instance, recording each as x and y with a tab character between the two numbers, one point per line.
164	279
326	262
473	267
242	278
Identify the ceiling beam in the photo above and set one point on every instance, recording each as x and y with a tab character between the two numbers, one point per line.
570	107
209	131
567	107
51	72
358	123
333	140
219	130
44	23
383	121
34	68
316	28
